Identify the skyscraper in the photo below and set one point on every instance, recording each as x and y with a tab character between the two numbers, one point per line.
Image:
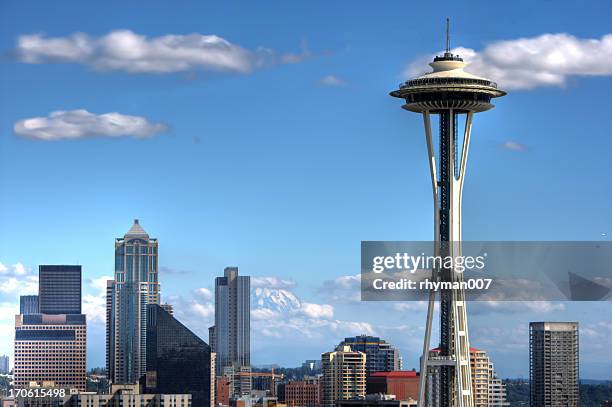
134	287
50	345
232	321
4	364
50	348
59	289
28	304
51	333
553	364
344	376
380	355
178	361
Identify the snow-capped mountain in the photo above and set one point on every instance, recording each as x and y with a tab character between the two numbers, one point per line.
275	299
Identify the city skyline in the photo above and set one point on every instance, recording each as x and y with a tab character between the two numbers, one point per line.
255	181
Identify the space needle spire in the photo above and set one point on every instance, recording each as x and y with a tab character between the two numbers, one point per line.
447	92
447	35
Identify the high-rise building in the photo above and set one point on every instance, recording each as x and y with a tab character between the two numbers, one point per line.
231	331
4	364
51	343
487	389
135	286
553	364
303	393
59	289
28	304
404	385
344	375
50	348
178	361
380	355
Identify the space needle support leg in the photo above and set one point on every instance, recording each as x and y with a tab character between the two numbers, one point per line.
466	147
432	294
462	343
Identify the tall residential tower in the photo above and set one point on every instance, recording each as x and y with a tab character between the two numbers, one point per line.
380	355
344	375
553	364
231	333
134	287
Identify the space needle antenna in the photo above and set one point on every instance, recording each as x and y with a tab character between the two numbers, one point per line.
447	35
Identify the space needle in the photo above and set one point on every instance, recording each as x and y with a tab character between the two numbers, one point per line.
449	92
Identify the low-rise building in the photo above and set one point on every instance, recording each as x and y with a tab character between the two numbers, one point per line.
404	385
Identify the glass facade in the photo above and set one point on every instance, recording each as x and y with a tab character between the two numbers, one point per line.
178	361
59	289
28	304
135	286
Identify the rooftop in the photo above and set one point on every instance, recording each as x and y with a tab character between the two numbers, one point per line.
396	373
136	230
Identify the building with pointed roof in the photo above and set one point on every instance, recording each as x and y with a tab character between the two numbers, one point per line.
135	286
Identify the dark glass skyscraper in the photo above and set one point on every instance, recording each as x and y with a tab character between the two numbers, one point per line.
178	362
232	320
134	287
28	304
380	355
59	289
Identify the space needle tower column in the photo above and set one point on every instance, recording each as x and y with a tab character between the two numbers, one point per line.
448	91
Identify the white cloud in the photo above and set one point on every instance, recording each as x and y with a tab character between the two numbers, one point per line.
17	269
342	289
94	305
27	285
124	50
317	310
527	63
80	123
17	279
206	310
513	146
332	80
95	308
505	307
412	306
203	293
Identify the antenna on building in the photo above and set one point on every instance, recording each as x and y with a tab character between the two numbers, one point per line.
447	35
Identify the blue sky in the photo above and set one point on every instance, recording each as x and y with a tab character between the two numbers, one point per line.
284	156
